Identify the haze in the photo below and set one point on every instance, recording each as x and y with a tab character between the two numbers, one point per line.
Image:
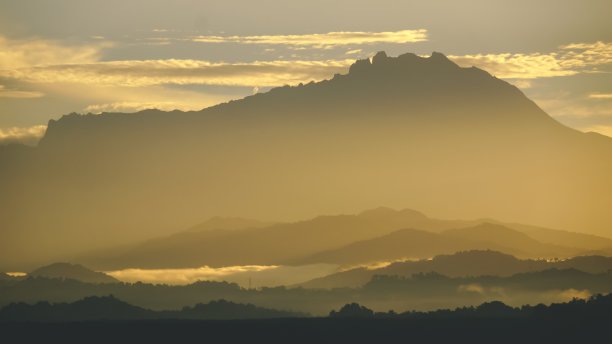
385	167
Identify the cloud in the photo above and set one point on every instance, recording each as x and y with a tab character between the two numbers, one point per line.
600	96
182	72
569	294
37	52
516	66
471	288
323	40
28	135
353	52
570	59
586	54
260	275
183	276
8	93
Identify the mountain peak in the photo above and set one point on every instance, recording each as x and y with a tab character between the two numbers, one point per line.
439	57
408	61
380	57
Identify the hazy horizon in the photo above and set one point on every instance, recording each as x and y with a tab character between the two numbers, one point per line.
218	169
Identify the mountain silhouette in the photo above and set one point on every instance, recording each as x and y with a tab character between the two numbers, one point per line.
573	321
96	308
371	236
406	130
461	264
416	291
413	244
72	271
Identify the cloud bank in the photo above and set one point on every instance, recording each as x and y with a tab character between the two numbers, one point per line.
29	135
570	59
182	72
323	40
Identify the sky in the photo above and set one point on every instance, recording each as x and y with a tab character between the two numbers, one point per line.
63	56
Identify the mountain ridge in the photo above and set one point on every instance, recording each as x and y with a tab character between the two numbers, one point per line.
400	131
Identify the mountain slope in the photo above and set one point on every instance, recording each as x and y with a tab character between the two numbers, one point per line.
397	131
411	244
271	245
370	236
461	264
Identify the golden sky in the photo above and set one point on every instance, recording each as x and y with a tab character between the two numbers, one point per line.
64	56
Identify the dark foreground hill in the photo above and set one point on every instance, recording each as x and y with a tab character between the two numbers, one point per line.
400	131
110	308
421	291
577	321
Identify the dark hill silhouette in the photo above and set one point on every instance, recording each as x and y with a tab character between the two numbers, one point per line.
96	308
419	291
461	264
333	239
222	309
577	321
5	277
594	307
88	309
72	271
403	130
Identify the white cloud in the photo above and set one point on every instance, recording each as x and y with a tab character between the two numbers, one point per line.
183	276
261	275
28	135
37	52
323	40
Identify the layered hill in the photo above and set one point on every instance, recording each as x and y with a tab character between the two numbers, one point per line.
462	264
372	236
109	308
397	131
416	244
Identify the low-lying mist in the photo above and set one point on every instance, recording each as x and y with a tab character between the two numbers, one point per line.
247	276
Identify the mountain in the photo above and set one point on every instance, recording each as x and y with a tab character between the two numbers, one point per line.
96	308
276	244
508	240
222	309
416	244
88	309
401	131
368	237
421	291
401	244
461	264
72	271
